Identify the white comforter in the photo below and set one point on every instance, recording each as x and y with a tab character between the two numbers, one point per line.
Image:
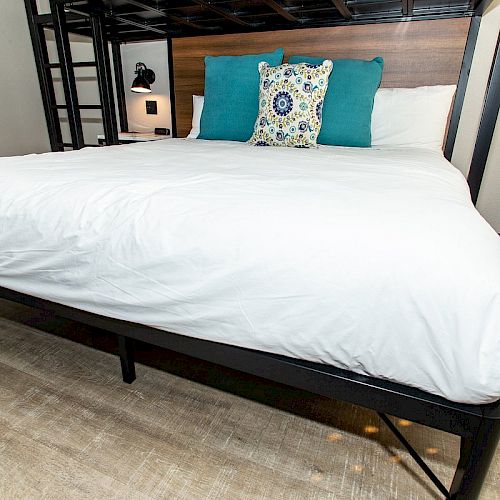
370	260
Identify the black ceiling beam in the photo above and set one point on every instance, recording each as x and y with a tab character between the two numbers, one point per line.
316	23
109	15
133	19
277	7
106	7
143	26
225	14
290	10
357	4
46	19
342	8
327	10
162	13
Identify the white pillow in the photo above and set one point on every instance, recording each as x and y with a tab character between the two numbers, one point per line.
411	117
198	101
401	117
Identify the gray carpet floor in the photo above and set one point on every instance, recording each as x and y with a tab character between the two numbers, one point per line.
185	429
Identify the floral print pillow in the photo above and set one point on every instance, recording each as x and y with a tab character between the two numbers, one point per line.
290	104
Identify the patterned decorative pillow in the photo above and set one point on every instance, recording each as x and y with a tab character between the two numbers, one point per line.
290	104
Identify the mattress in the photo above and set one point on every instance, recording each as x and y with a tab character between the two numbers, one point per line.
371	260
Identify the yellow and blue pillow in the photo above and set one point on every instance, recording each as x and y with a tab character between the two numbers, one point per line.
290	104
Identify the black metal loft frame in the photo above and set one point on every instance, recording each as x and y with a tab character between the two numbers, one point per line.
133	20
119	85
171	85
104	78
486	128
477	425
462	86
102	21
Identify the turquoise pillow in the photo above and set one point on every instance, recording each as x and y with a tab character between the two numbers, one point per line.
348	106
232	95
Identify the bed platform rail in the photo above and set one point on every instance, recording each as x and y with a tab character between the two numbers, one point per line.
477	425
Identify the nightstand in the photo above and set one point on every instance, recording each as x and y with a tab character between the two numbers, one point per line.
130	137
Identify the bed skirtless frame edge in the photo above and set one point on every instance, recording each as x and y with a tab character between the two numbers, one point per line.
477	425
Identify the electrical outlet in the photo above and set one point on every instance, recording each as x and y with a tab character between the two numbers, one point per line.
162	131
151	108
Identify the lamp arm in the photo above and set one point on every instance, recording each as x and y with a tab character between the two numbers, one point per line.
140	66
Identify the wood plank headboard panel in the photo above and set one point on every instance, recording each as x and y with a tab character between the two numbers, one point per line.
415	53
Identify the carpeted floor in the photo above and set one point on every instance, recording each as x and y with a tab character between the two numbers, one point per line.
70	429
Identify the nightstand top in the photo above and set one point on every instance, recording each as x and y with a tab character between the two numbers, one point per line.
137	136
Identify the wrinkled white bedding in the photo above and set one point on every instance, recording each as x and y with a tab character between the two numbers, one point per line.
370	260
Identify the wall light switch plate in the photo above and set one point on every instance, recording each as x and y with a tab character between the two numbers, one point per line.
151	108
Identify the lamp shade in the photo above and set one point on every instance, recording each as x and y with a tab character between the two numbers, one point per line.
145	77
140	84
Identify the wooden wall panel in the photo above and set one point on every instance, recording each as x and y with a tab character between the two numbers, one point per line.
415	53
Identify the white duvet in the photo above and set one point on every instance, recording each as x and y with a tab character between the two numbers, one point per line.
370	260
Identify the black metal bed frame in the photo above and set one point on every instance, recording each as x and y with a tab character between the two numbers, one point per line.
477	425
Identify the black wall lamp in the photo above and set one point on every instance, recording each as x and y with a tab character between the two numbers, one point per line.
145	77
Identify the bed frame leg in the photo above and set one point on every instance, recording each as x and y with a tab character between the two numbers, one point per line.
476	454
126	351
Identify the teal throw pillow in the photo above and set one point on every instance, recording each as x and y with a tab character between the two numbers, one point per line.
348	106
232	95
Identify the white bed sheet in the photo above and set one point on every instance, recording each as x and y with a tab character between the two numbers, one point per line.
370	260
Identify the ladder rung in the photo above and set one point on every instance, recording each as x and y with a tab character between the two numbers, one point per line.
70	145
46	19
83	64
80	106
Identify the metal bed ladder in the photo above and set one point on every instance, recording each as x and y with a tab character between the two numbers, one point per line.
56	20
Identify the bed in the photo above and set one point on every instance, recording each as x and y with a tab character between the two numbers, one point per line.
352	258
354	266
362	275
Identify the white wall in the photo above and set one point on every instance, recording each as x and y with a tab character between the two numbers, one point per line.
155	56
22	121
489	196
488	202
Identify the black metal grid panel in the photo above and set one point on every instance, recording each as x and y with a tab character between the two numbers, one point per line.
128	20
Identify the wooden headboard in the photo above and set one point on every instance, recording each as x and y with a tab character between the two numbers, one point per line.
415	53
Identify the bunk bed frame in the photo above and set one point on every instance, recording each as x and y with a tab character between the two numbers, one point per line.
131	20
